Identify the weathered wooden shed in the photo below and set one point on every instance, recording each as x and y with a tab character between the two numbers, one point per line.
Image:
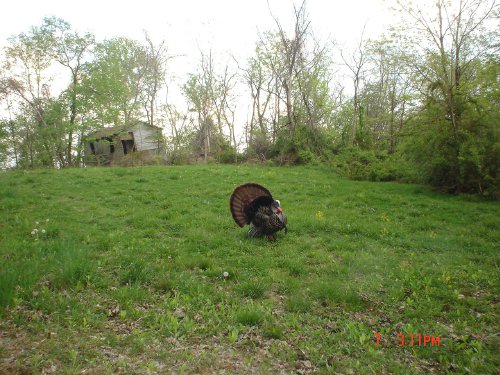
113	145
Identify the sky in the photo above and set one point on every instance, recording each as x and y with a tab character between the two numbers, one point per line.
226	27
226	23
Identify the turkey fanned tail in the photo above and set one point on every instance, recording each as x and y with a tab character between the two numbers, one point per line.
253	204
245	201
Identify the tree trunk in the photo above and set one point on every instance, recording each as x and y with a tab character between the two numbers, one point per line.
289	111
72	119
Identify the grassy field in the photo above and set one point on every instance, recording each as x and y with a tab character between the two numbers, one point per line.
118	270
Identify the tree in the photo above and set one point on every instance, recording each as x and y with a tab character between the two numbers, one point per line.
386	95
454	44
262	76
69	49
356	64
292	51
177	121
197	91
289	79
112	82
156	59
209	96
259	82
28	57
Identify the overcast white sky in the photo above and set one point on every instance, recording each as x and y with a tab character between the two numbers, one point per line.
228	27
226	22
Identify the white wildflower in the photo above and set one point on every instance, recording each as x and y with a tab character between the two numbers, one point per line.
225	274
43	231
36	222
33	232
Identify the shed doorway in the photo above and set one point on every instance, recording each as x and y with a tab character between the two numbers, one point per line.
128	146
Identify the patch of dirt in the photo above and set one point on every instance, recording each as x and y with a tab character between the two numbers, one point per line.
250	354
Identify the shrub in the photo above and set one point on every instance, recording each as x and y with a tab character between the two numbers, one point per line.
259	146
306	157
307	147
464	161
370	165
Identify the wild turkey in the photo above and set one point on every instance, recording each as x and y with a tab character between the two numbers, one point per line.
253	204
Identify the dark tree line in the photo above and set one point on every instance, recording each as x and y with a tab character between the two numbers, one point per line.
422	102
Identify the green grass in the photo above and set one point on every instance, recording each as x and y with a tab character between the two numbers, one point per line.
125	274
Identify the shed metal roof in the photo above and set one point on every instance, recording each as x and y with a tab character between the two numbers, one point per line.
107	132
119	130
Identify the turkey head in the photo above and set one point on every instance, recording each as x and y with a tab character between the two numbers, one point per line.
254	205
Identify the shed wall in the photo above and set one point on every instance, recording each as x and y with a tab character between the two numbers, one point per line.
146	138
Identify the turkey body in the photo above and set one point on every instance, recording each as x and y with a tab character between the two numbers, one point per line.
254	205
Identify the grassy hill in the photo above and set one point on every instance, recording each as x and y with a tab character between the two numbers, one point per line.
121	270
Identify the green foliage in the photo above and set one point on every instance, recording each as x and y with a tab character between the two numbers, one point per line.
363	137
45	125
259	147
224	152
306	157
5	142
438	128
209	96
110	82
359	164
180	156
461	159
308	146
